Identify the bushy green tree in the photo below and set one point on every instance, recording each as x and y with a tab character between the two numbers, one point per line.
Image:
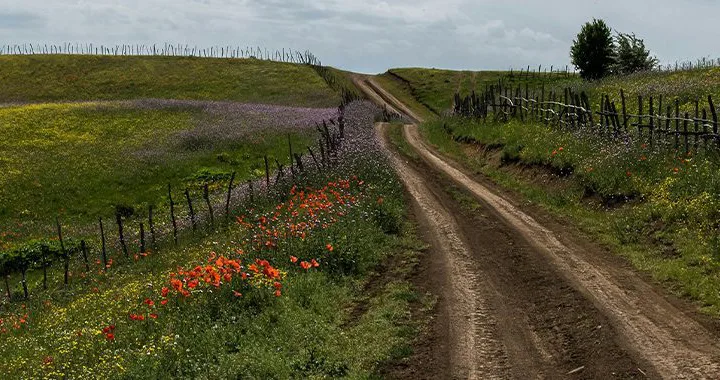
631	55
593	50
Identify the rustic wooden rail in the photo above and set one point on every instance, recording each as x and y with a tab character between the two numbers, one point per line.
611	117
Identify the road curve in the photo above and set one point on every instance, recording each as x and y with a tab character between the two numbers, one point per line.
673	343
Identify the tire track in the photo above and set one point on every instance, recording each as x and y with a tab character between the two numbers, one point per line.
652	328
475	352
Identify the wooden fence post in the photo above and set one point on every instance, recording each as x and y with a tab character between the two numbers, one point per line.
151	224
267	173
713	111
685	132
172	215
118	219
677	124
190	207
229	192
83	248
624	110
250	188
312	154
142	238
640	112
206	195
298	161
696	127
652	120
104	250
65	255
44	251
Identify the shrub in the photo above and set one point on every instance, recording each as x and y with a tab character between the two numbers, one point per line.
593	50
631	56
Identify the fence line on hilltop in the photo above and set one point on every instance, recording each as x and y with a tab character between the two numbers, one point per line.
168	50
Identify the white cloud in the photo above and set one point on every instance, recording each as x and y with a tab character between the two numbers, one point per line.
370	35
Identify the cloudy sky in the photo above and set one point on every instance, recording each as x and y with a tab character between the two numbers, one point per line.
374	35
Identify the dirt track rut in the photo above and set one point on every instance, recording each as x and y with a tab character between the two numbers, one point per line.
529	301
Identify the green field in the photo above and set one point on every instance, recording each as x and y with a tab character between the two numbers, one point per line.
324	303
436	88
62	78
78	161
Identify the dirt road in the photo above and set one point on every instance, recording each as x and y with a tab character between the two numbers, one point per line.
524	299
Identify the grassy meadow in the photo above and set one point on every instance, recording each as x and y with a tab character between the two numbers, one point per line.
79	161
52	78
309	279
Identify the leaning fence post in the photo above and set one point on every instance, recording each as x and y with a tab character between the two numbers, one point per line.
190	207
206	195
267	173
229	192
312	154
715	119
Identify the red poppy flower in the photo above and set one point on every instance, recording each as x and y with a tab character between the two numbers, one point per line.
110	336
293	259
237	294
305	265
329	247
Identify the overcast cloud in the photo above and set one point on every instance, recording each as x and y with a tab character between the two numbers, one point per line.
373	35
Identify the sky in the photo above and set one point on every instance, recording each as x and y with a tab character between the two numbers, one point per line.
372	36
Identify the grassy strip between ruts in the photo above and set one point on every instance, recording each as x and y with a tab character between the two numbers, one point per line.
658	210
289	318
45	78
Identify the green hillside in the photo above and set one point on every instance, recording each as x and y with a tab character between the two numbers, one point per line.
64	77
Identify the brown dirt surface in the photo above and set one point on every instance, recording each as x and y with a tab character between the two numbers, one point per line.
519	298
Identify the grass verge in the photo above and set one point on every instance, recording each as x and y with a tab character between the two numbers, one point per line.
657	210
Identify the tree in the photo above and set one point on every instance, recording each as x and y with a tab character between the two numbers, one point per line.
631	55
593	50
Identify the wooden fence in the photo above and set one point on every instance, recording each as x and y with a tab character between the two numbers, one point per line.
174	50
137	240
653	120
